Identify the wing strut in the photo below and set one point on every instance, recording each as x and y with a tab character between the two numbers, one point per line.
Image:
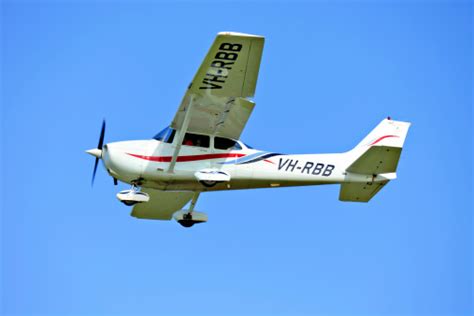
180	134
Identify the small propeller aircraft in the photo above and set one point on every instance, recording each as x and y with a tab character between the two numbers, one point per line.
200	151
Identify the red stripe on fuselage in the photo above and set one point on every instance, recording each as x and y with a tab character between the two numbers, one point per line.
381	138
186	158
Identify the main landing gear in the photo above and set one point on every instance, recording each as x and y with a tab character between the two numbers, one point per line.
187	218
209	177
132	196
208	184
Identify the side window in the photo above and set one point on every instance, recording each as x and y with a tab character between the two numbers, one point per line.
226	144
196	140
249	147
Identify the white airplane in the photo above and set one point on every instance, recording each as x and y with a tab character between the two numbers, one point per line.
200	151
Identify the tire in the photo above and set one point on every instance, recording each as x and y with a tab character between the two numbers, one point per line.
186	223
208	184
129	203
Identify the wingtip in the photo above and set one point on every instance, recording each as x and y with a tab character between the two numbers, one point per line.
228	33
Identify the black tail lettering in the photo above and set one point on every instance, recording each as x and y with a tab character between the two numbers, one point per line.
327	172
291	165
282	164
307	167
226	56
231	47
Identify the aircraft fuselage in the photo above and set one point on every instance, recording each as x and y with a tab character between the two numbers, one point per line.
147	162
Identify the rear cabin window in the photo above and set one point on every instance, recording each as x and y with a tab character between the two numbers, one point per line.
196	140
226	144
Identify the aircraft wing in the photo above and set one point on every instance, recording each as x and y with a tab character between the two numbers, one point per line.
162	204
217	100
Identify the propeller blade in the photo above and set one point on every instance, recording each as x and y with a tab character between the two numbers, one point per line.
96	152
95	170
101	139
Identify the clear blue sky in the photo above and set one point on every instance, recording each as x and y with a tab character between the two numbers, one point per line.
329	74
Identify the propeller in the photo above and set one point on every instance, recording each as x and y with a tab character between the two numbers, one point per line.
97	153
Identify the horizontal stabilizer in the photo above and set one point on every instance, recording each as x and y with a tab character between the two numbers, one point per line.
360	192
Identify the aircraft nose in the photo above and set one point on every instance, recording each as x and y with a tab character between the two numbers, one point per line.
106	155
118	163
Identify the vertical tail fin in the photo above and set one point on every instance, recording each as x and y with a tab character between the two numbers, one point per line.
377	155
380	151
387	133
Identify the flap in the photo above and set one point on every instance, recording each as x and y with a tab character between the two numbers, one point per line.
162	204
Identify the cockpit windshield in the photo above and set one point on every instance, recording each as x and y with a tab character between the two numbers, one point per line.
249	147
166	135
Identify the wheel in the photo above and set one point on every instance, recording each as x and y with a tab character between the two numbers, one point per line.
129	203
208	184
186	223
